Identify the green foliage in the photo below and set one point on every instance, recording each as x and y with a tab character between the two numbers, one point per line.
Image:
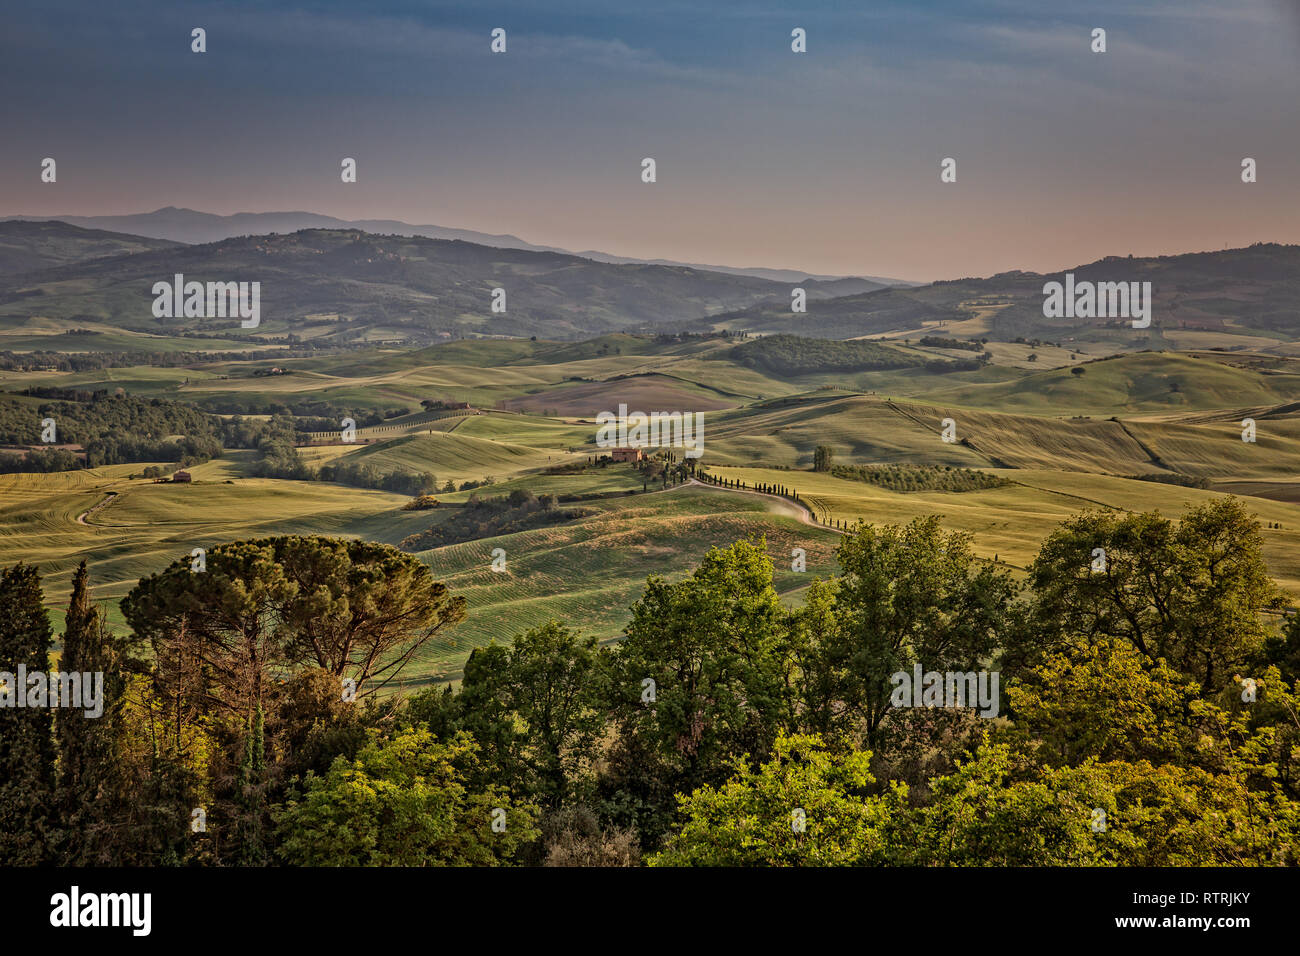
240	432
28	830
362	475
536	708
905	595
488	517
403	801
1192	592
940	342
1172	478
1102	700
713	645
356	609
994	811
90	778
422	503
250	790
112	430
1283	649
795	355
802	807
278	457
1151	713
905	478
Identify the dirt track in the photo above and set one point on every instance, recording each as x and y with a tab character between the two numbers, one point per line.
109	496
784	506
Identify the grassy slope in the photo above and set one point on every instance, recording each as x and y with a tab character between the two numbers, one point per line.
42	333
1127	385
864	429
147	525
1011	522
453	455
590	571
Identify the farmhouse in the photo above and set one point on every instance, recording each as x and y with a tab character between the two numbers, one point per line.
626	454
184	476
658	429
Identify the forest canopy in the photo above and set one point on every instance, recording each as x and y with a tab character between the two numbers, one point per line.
1147	712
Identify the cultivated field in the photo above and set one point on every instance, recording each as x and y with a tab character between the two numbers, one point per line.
1064	441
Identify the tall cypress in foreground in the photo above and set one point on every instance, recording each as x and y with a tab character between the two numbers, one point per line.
89	758
27	830
251	797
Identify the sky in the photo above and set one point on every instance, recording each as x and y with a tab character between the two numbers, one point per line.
826	161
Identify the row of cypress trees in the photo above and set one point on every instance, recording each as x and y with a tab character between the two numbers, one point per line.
58	767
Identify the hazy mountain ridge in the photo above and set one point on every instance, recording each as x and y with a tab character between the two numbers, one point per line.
195	227
27	246
1253	290
348	286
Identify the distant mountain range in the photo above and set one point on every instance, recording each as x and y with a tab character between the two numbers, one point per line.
1228	298
29	246
192	226
347	287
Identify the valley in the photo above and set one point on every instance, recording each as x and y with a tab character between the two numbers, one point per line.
1112	438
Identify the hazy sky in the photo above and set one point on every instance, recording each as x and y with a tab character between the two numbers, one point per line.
826	161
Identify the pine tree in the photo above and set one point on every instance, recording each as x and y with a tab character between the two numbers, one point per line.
27	830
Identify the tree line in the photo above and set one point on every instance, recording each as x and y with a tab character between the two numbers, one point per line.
796	355
112	430
1148	713
906	478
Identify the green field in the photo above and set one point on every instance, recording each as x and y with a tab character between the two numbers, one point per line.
1010	522
1064	442
589	572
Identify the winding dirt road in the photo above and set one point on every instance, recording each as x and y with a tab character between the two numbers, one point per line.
785	506
108	496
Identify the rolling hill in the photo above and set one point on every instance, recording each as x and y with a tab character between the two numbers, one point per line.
1062	441
843	317
343	287
1201	299
193	226
1146	382
30	246
349	287
1234	298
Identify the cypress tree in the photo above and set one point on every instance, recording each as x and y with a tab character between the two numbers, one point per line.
252	850
89	781
27	831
